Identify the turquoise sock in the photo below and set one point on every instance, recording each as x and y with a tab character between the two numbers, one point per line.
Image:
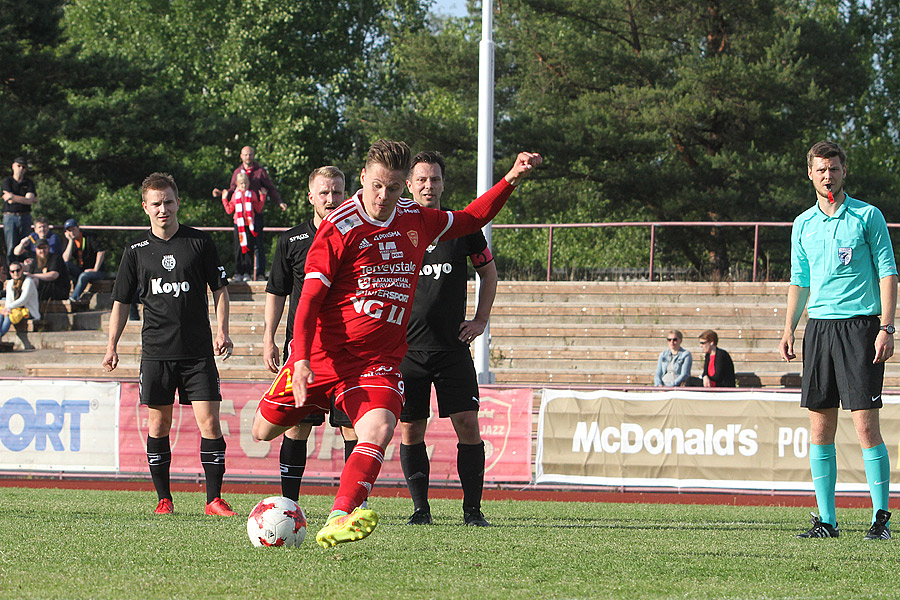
878	474
823	465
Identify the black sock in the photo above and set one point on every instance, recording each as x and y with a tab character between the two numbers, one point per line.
416	470
212	457
470	466
159	457
293	463
349	445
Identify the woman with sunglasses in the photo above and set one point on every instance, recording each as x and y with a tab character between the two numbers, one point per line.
718	368
674	365
21	299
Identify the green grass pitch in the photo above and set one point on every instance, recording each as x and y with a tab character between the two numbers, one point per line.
108	544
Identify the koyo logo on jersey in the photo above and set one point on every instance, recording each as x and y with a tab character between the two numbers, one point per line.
170	287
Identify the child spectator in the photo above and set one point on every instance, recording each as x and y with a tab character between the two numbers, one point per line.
244	203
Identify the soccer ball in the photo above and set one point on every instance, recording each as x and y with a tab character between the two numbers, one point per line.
276	521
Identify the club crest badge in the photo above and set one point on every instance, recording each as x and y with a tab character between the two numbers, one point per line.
844	255
413	237
168	262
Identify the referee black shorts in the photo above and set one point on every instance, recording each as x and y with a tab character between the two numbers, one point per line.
453	374
837	364
196	379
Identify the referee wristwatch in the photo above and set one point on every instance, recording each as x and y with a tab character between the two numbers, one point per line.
889	329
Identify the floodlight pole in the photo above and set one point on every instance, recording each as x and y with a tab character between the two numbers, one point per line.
485	164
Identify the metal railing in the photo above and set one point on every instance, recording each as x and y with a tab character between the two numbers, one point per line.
551	227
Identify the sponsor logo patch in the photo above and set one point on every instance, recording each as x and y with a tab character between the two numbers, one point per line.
348	223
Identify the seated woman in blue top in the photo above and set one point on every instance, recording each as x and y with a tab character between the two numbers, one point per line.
674	365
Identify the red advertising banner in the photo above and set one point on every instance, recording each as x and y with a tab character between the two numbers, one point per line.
505	418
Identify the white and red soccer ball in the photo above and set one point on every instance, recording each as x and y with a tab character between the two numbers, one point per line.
276	521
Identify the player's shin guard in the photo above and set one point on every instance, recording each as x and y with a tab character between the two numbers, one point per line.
159	457
293	464
416	471
470	466
212	457
878	475
823	465
358	476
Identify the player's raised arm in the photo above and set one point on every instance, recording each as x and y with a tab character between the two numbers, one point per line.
525	163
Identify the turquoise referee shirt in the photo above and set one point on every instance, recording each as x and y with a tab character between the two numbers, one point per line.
841	259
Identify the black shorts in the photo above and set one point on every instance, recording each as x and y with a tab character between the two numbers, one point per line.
837	364
196	379
453	374
336	418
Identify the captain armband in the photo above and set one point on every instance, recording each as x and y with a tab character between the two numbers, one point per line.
482	258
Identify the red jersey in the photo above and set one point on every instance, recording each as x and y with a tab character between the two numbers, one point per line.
361	274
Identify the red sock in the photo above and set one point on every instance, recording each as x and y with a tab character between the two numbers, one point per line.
359	474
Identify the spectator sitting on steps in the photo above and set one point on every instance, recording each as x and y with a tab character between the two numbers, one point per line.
24	250
21	299
718	368
49	272
673	368
83	257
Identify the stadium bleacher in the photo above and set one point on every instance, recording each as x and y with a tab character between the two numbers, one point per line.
543	333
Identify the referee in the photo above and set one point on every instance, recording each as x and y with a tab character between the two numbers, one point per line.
843	271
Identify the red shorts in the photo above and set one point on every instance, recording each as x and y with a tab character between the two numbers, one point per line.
356	389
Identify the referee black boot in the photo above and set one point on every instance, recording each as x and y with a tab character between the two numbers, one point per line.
472	516
420	517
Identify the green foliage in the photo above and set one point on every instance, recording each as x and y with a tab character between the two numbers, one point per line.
108	544
650	110
661	111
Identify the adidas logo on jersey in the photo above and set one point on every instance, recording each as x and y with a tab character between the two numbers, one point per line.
365	244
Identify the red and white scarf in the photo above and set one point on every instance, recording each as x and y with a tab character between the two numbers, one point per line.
243	217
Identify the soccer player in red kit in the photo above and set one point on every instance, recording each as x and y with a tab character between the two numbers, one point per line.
350	325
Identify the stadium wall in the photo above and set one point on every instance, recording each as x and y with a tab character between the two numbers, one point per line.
674	439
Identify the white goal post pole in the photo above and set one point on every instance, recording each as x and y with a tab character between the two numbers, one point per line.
485	164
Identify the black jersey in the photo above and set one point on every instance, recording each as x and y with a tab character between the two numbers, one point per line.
173	276
288	268
440	302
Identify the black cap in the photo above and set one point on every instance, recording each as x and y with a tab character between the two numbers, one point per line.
41	242
21	160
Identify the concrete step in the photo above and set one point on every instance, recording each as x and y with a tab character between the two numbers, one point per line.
128	369
555	378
